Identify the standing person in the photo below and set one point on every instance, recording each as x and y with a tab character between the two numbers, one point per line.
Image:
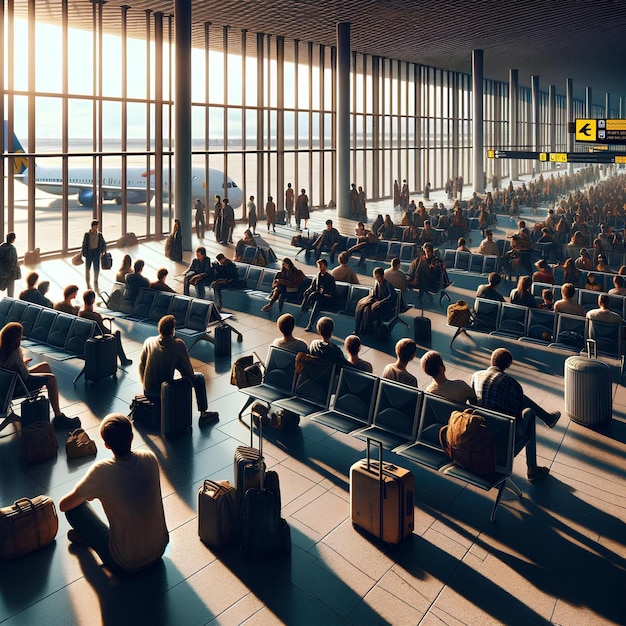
252	217
94	246
289	200
270	214
164	355
129	488
322	293
404	195
199	273
199	218
354	200
218	218
9	267
229	222
174	243
302	209
396	194
34	377
498	391
427	191
360	205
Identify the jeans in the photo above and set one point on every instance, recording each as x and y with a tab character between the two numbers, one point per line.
92	258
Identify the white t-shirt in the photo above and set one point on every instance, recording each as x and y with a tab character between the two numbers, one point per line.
130	492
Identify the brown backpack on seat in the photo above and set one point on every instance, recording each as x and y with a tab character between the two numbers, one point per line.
467	441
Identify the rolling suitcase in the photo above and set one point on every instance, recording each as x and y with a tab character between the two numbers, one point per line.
281	217
381	498
223	339
219	518
100	358
422	329
588	388
176	408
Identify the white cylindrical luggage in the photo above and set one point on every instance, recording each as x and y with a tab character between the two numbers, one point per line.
588	390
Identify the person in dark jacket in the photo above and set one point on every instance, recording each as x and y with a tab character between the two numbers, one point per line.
320	295
94	246
9	266
376	306
225	274
199	273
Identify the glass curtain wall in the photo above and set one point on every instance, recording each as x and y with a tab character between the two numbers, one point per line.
98	119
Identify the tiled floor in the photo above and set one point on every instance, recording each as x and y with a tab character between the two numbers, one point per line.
558	555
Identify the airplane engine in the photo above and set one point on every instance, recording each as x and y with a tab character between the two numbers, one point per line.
136	197
85	198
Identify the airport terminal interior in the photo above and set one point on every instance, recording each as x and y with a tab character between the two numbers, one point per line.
264	113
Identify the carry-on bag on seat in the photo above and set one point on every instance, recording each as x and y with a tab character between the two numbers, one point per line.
219	517
381	498
100	358
26	526
176	408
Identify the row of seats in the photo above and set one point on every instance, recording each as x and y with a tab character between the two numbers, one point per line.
259	282
471	262
401	418
539	326
193	315
58	335
587	298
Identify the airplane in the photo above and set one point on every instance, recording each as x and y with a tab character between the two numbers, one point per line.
138	181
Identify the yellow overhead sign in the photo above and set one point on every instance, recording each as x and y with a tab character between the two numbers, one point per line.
615	125
558	157
490	154
586	130
620	159
543	156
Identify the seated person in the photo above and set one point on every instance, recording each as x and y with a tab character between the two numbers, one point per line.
129	489
377	224
247	240
571	274
461	245
427	273
285	324
343	272
591	283
88	312
388	229
225	276
522	295
567	304
320	295
161	357
405	353
125	268
427	235
323	347
329	240
454	390
488	246
410	234
584	262
498	391
31	293
352	346
603	313
547	300
490	290
135	281
517	259
43	287
619	287
602	265
396	276
66	306
374	308
544	273
159	284
367	240
34	377
199	273
290	281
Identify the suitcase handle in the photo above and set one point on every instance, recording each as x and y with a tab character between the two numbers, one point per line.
261	464
591	343
381	483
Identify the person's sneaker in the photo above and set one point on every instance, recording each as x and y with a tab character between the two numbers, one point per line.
61	421
267	307
127	361
74	536
555	417
208	417
537	473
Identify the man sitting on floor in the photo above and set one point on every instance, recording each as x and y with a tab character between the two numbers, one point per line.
161	357
129	488
500	392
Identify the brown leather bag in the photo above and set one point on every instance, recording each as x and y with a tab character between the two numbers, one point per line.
459	314
79	444
26	526
38	444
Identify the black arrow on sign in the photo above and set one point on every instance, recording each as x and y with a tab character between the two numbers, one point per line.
586	130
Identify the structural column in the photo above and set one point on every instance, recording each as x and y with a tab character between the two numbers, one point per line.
535	97
478	116
513	115
343	120
182	122
588	101
569	104
552	118
280	124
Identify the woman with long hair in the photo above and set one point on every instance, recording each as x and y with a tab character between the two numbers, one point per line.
125	268
174	243
34	377
289	281
522	295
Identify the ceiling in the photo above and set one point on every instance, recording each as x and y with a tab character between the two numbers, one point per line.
557	39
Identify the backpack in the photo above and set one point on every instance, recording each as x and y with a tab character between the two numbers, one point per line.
467	441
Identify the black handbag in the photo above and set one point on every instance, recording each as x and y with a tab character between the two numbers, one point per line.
36	409
106	261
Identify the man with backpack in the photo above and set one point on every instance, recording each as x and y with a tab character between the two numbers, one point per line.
500	392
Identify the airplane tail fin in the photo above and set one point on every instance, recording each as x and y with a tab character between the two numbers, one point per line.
14	146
